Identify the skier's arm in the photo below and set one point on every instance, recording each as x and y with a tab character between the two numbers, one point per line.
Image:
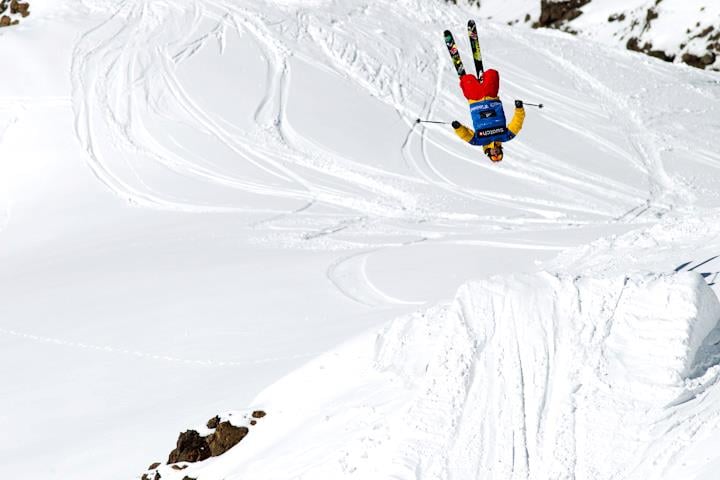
516	123
462	131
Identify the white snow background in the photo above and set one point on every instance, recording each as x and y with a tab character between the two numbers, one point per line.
198	199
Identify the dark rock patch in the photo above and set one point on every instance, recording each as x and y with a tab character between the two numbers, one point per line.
154	466
225	437
6	21
17	8
699	62
258	414
213	422
191	447
634	44
21	8
554	14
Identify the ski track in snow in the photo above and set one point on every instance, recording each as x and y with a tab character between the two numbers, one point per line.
121	87
124	92
145	355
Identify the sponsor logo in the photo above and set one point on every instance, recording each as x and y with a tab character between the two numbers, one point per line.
490	131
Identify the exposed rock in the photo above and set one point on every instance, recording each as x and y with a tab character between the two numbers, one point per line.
699	62
154	466
258	414
253	422
705	32
179	467
6	21
21	8
191	447
213	422
638	25
188	478
634	44
16	8
155	477
650	16
225	437
554	14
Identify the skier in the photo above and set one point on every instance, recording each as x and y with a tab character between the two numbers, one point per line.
488	117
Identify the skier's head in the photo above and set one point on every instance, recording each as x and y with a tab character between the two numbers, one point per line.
494	151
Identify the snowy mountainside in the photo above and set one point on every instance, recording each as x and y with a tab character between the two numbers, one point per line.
680	31
529	376
675	30
196	198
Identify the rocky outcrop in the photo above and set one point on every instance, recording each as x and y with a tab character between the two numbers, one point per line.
6	21
697	39
225	437
191	447
634	45
699	62
17	9
557	14
213	422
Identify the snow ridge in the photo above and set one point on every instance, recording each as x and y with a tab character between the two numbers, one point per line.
532	374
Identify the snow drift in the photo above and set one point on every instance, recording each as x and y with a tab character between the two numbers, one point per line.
521	376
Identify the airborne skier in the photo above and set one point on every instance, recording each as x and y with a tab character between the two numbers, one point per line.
490	128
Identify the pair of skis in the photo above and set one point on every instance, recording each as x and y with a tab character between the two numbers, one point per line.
474	45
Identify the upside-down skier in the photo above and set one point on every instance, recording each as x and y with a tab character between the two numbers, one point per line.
490	128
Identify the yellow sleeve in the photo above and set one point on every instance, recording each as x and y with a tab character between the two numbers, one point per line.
465	133
516	123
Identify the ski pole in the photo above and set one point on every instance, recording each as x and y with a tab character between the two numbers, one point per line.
539	105
419	120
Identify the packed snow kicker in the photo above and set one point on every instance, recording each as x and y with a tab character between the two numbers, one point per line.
231	205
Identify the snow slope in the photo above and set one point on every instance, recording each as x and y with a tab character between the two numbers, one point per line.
528	376
198	197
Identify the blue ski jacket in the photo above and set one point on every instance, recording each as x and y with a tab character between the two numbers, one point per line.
489	123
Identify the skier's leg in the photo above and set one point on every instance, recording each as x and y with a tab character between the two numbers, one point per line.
490	83
476	90
472	89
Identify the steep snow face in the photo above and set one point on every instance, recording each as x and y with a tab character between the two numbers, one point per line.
521	376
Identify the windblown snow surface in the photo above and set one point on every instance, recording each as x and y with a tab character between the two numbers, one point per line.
198	199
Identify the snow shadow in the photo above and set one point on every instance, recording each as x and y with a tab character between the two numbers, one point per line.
710	277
